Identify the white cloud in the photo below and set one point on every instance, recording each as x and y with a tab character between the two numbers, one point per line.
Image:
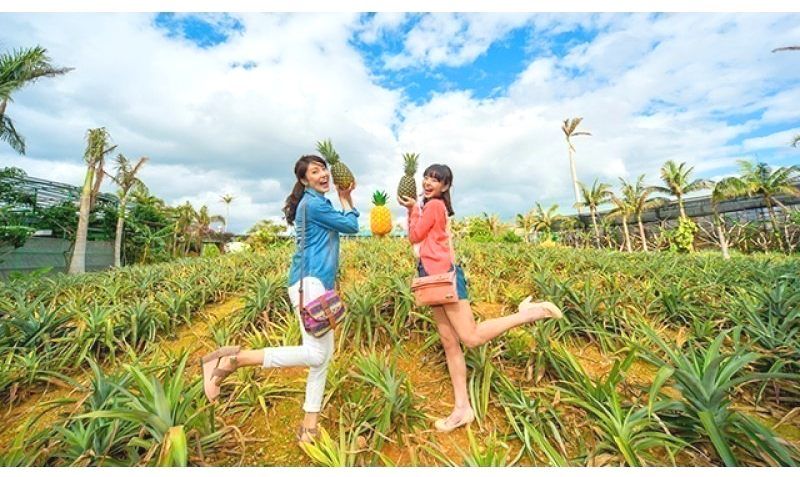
453	39
380	24
184	106
778	139
650	88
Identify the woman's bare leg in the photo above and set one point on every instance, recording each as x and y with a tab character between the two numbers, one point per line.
475	334
456	365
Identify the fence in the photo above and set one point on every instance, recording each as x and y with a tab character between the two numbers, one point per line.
41	252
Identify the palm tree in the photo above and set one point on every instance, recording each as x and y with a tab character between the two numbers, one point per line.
126	180
569	128
526	223
676	178
723	190
544	220
592	198
227	199
184	216
625	206
493	224
642	202
761	179
796	141
17	69
97	146
202	224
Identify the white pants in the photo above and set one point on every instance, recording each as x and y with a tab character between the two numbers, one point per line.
315	353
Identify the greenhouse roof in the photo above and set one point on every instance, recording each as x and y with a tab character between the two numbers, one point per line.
49	193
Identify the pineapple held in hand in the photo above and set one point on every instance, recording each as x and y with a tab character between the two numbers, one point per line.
408	186
380	218
342	176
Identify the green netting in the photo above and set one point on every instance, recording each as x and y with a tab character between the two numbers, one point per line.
42	252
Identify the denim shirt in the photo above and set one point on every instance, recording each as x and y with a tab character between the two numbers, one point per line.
322	237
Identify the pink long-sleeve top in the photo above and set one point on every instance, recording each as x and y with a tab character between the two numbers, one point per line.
429	229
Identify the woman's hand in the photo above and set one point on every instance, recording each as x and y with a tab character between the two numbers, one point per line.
344	196
407	202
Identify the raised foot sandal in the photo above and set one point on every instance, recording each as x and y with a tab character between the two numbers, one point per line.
552	311
213	375
442	425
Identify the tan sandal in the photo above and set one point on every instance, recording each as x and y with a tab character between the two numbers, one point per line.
214	375
441	425
312	432
554	311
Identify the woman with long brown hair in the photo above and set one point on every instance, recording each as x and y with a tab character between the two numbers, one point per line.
317	228
428	229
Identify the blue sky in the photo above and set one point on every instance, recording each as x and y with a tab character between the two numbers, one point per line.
224	103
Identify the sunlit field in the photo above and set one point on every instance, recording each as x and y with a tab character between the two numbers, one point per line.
661	359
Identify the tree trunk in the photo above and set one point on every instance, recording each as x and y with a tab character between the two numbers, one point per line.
2	108
574	178
78	262
627	234
642	234
723	241
227	217
680	206
118	235
98	180
774	221
596	229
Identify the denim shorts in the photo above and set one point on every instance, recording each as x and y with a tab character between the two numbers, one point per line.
461	279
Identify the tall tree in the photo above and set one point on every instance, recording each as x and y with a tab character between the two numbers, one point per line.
624	207
202	224
126	179
642	202
19	68
227	199
184	216
493	224
569	127
676	180
723	190
761	179
526	222
97	147
599	194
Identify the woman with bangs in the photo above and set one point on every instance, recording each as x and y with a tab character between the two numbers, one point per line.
429	232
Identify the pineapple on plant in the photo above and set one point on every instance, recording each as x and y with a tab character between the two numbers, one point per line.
342	176
408	186
380	218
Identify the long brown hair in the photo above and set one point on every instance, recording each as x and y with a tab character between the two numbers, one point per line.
443	174
300	169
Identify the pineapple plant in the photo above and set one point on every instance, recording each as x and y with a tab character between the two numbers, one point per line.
380	218
342	176
408	186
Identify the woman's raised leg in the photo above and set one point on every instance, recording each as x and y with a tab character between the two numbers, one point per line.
475	334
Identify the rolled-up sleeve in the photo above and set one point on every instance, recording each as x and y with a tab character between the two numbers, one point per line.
323	213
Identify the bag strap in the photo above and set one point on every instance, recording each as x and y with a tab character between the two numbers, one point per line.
303	253
450	240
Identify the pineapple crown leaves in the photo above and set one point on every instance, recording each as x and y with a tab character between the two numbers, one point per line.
328	152
379	198
411	159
